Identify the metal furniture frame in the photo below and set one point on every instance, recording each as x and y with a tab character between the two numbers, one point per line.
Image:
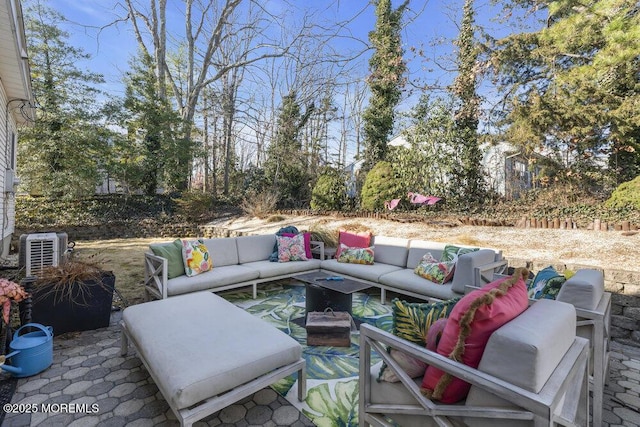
563	400
599	321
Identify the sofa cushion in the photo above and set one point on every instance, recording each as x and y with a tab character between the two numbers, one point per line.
473	319
218	277
223	251
523	353
356	255
353	240
584	289
405	279
267	269
196	257
255	248
172	252
391	250
291	248
388	393
187	341
370	273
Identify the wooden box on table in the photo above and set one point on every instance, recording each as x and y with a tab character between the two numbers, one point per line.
329	328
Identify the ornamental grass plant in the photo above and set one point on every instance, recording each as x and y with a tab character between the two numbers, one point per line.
71	280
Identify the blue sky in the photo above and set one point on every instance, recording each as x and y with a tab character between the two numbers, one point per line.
111	47
430	26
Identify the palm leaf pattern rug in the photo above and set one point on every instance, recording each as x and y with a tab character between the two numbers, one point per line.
332	372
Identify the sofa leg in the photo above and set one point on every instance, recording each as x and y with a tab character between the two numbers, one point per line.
383	295
124	342
302	384
255	290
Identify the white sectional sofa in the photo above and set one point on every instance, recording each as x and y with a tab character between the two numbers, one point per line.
244	261
396	258
526	377
237	262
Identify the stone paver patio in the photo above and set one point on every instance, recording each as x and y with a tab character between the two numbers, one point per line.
88	369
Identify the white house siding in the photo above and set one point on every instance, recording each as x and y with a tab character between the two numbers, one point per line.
7	200
493	162
16	98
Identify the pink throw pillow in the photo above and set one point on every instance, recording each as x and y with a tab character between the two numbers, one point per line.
291	248
412	366
307	243
487	318
435	333
353	240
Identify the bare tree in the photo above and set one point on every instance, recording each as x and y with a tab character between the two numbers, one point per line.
207	24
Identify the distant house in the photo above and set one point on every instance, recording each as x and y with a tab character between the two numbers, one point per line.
507	170
16	101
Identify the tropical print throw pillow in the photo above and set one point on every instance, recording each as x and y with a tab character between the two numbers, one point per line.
356	255
436	271
196	257
452	252
291	248
546	284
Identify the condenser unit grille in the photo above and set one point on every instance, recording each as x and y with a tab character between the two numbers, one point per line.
42	250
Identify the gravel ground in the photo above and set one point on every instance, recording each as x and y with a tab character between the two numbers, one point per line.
609	249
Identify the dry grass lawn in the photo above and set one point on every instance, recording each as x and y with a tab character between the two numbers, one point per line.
125	257
611	250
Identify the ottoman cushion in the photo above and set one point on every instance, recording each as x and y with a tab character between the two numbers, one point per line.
200	345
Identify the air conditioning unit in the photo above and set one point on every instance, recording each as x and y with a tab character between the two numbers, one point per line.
41	250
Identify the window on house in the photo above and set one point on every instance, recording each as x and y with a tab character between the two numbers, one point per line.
520	169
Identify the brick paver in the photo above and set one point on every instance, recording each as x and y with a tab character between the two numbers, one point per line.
88	370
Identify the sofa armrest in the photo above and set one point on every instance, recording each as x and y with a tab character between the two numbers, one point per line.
155	275
318	247
465	268
487	273
569	382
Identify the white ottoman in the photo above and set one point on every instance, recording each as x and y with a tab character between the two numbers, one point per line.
204	353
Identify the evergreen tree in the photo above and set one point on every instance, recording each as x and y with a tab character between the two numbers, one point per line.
428	164
149	156
385	81
574	85
468	179
330	191
63	152
286	167
381	184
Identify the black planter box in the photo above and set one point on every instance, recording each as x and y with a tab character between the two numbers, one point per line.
93	311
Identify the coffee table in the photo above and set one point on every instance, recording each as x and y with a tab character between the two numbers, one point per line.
335	294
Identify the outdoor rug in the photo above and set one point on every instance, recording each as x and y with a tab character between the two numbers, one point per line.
332	372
